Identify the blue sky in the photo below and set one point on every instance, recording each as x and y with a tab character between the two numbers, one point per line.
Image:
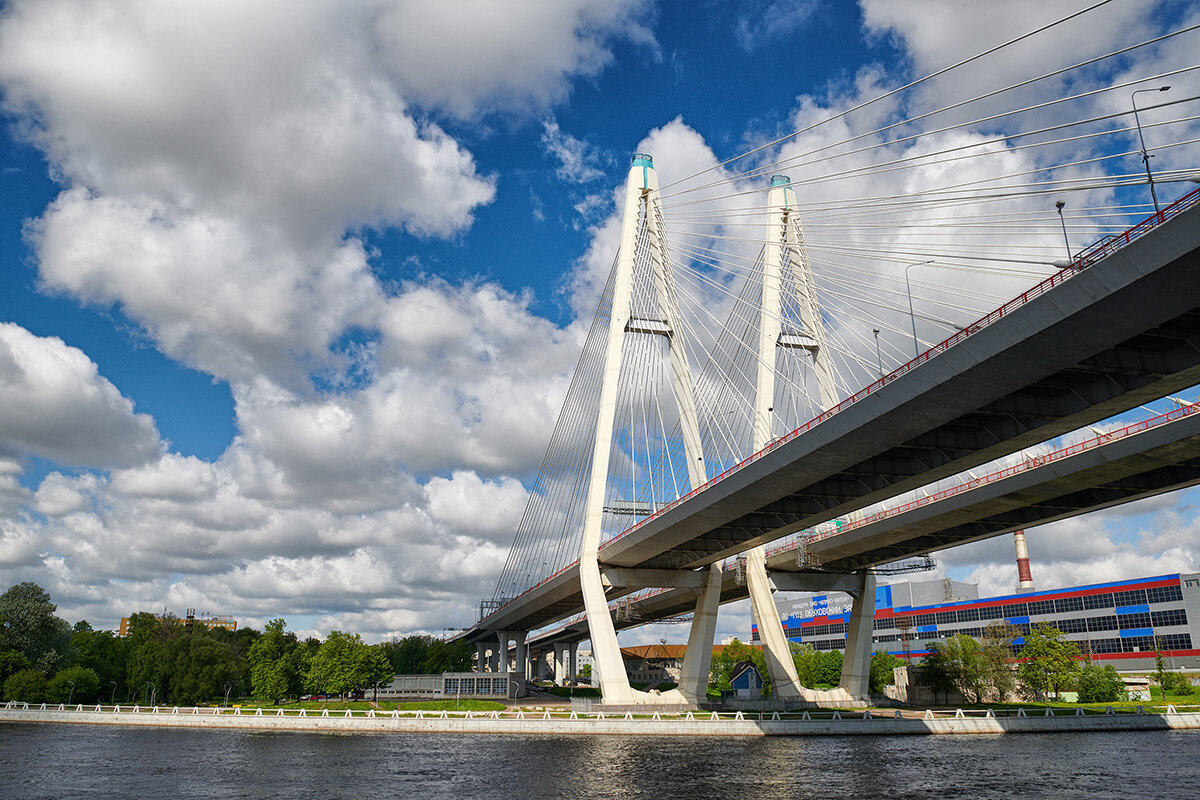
294	293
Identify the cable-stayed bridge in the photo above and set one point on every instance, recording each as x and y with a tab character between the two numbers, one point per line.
1118	328
716	406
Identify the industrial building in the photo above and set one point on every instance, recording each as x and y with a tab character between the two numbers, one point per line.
1121	623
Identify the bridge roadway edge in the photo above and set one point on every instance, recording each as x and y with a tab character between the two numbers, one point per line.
609	726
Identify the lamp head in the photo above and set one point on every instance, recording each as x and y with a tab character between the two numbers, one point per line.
1060	205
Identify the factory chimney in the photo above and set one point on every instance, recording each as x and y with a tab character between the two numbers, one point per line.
1023	575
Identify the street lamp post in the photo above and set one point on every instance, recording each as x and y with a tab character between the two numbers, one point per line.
911	315
1146	156
228	689
71	694
113	699
1060	205
878	358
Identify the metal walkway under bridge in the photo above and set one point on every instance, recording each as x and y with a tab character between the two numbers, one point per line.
1118	328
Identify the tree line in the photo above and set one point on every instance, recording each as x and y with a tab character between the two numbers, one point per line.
43	658
1048	663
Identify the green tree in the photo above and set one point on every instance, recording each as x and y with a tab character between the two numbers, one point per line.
145	636
882	666
270	665
1160	671
829	668
585	672
1049	661
12	662
967	667
100	651
442	657
408	654
1097	684
85	690
239	642
377	667
196	667
299	663
997	654
806	659
29	626
936	670
337	666
27	685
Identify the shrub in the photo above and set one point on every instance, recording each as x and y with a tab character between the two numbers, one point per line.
1098	684
1176	683
28	685
87	685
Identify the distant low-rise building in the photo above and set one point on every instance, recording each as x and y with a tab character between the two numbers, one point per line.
460	685
1121	623
227	623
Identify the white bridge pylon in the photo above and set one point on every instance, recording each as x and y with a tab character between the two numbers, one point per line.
642	214
789	323
785	274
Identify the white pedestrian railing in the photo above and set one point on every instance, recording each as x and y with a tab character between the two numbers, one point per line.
648	715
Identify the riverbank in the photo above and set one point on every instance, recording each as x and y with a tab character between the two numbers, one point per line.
817	723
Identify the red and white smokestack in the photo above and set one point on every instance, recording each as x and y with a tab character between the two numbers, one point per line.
1023	574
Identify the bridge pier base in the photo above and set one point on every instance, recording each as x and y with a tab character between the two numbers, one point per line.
502	638
697	659
856	666
785	683
520	662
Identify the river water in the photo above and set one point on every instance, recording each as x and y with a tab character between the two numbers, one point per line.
69	761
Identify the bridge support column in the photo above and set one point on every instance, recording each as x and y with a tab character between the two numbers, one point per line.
520	662
502	638
697	660
573	661
856	667
559	666
480	657
785	683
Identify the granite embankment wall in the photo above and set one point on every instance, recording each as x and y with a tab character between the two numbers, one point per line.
544	723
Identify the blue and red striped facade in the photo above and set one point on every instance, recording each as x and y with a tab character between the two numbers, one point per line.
1120	621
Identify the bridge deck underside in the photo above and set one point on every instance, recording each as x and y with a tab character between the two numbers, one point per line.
1123	332
1149	464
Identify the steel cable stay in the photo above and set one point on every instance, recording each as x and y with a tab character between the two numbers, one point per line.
893	92
774	166
791	162
994	141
